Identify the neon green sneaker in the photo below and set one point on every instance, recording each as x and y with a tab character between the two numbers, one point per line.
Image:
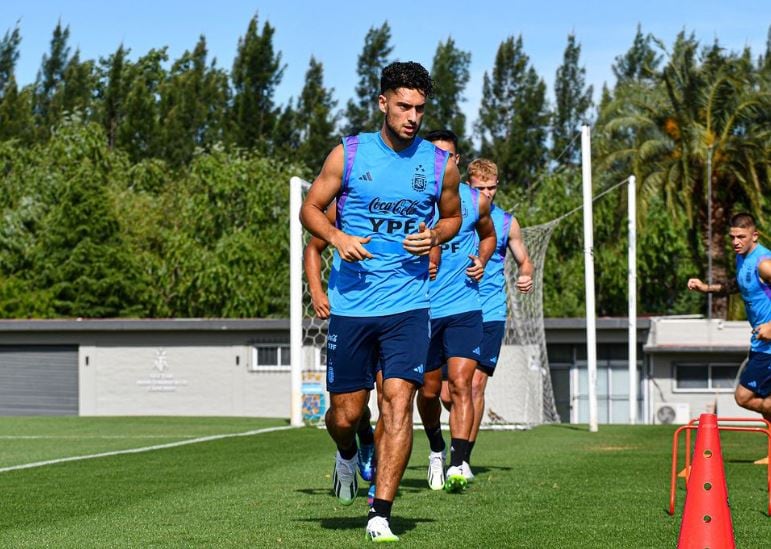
379	531
455	482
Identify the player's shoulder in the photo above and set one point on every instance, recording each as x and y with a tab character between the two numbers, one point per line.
500	213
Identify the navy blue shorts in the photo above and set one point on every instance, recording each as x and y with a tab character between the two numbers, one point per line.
756	375
455	336
355	346
492	337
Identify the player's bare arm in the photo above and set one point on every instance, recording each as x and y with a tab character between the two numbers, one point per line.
420	243
724	287
518	249
312	266
487	240
434	260
320	196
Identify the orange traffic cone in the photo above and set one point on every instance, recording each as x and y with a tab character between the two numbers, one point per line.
707	518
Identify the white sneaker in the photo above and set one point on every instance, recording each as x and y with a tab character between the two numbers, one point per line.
455	482
436	470
466	469
379	531
344	483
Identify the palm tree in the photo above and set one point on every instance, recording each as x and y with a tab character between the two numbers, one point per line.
699	105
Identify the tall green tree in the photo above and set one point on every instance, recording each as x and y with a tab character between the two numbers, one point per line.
573	99
79	256
513	116
79	85
50	79
315	118
450	73
193	105
15	105
640	62
139	132
705	105
362	113
257	70
115	74
9	55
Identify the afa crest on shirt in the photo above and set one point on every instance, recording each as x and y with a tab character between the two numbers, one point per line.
419	179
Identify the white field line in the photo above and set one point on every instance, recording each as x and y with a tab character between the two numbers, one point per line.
90	437
144	448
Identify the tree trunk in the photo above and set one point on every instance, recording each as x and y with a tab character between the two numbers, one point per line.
720	271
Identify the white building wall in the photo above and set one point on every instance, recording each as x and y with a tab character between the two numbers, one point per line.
178	380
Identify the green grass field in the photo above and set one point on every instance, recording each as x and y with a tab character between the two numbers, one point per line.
554	486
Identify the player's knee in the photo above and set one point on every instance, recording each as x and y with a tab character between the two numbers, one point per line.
460	386
428	393
343	417
742	398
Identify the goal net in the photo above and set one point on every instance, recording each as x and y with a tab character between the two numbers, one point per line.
520	392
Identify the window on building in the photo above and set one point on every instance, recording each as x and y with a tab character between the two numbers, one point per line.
697	377
271	358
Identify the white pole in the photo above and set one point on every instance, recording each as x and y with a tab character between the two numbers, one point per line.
632	281
295	300
591	329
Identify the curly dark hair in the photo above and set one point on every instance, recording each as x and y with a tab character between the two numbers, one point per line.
407	74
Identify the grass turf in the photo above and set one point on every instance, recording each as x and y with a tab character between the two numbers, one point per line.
553	486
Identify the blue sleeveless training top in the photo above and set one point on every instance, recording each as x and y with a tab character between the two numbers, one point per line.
492	288
385	194
453	292
755	293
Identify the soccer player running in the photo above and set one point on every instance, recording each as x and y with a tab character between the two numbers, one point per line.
388	185
483	176
456	334
753	282
320	302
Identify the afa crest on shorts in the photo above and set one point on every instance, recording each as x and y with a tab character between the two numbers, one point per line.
419	179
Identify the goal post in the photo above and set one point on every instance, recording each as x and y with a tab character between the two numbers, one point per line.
295	299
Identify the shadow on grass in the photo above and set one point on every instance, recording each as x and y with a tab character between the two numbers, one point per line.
399	525
476	469
319	491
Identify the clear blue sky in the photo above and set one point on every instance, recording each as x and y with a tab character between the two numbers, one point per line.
334	31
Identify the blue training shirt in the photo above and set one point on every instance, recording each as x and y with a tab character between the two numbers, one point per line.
492	288
453	292
755	293
386	195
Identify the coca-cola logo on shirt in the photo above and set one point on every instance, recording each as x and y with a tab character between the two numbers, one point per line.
403	206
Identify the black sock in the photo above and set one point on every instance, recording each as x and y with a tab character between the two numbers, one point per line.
348	453
458	448
380	508
435	440
468	451
366	434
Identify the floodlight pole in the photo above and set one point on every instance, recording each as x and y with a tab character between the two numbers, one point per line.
591	329
295	300
632	283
